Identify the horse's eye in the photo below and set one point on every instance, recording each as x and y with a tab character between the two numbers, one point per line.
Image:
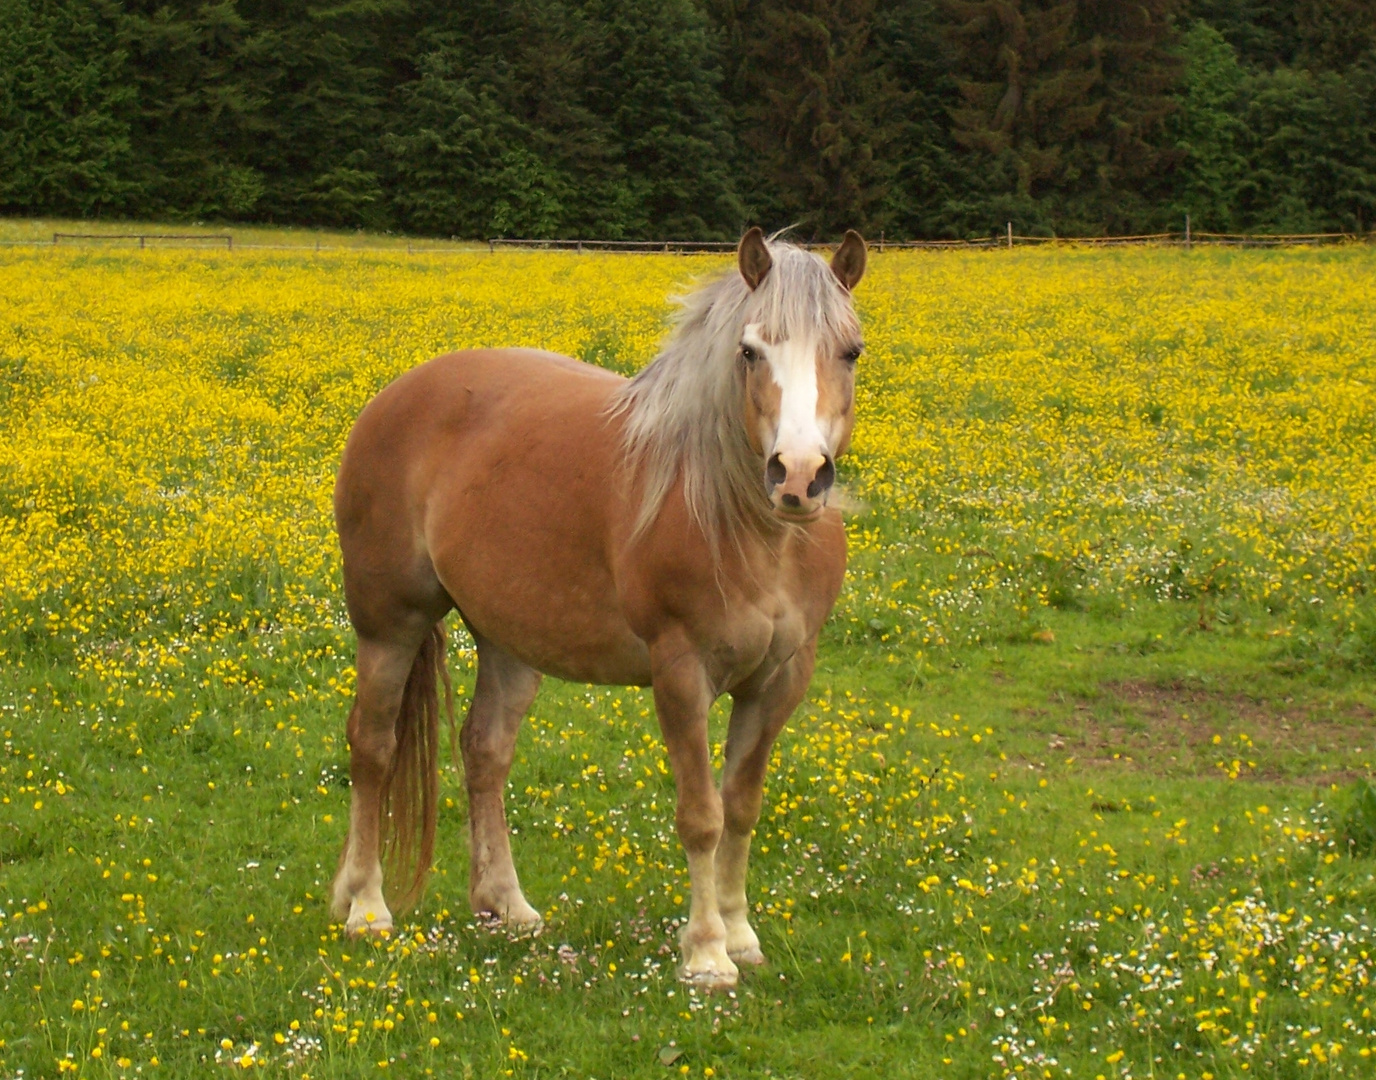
748	354
852	355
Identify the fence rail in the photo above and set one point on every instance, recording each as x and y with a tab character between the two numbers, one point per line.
143	238
1188	238
677	247
1009	239
1264	240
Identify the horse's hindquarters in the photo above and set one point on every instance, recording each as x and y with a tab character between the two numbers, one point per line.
501	487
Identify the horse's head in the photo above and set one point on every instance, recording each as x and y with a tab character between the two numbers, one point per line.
798	349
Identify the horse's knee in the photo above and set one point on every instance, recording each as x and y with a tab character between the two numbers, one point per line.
487	753
371	748
522	687
699	825
740	814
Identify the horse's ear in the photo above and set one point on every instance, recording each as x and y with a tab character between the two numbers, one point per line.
848	264
753	257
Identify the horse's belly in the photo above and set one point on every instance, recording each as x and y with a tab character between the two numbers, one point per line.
542	595
559	633
627	665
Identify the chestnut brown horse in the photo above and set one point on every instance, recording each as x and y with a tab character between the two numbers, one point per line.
671	530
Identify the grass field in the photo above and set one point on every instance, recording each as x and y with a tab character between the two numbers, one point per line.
1078	790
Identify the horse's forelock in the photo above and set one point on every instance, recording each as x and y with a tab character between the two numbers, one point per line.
800	297
684	412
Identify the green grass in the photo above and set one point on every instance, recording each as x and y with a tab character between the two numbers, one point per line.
896	896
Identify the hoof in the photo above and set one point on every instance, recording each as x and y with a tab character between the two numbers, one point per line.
712	980
512	926
515	914
369	930
742	945
522	918
709	968
524	927
747	956
368	923
341	903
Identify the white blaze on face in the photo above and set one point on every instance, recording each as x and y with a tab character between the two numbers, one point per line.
793	366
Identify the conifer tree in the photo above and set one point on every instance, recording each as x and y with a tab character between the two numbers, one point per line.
1311	150
817	109
1333	35
1025	87
665	118
546	117
1065	99
1135	47
194	100
264	111
658	79
64	108
933	191
1261	31
1208	133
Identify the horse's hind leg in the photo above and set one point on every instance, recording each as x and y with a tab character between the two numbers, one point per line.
383	668
505	688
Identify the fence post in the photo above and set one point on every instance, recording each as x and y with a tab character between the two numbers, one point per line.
580	247
141	240
1010	236
1187	232
229	241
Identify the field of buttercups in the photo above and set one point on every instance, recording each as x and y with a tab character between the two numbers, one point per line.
1067	465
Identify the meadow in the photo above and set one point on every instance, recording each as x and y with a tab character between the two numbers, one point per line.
1080	788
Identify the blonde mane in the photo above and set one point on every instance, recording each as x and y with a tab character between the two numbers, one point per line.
684	412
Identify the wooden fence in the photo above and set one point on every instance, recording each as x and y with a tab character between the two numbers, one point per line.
1009	239
143	238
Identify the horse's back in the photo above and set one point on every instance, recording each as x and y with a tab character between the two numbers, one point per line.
476	393
445	390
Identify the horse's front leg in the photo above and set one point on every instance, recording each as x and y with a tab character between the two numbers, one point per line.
757	717
683	697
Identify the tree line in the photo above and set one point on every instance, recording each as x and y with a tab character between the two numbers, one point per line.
687	119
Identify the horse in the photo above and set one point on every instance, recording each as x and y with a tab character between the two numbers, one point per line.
670	530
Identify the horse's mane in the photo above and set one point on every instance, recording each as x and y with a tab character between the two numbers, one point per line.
684	412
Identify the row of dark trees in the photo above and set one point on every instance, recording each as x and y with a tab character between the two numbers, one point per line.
689	118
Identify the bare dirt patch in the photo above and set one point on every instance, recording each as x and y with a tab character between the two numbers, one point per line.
1177	728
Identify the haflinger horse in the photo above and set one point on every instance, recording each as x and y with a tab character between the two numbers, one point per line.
669	530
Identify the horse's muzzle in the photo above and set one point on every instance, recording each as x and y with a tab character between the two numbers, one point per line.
798	484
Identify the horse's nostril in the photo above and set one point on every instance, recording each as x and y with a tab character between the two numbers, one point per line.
775	470
826	476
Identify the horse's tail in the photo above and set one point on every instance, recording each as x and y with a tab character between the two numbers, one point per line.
411	793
